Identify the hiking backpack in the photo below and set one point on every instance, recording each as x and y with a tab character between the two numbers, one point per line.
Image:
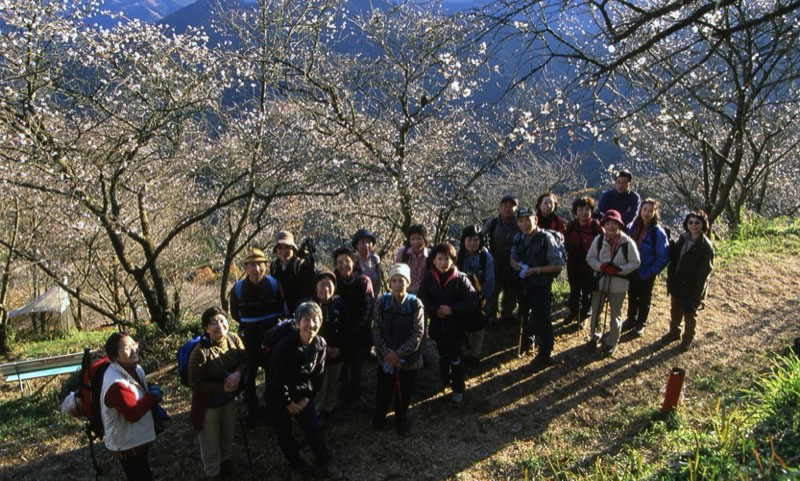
473	277
273	337
88	394
183	357
408	303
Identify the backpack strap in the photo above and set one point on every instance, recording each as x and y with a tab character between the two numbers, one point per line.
623	247
237	289
273	283
543	250
387	301
484	253
408	304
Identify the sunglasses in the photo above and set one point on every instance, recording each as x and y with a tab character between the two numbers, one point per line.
697	222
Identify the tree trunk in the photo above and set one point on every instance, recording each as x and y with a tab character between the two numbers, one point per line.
232	248
3	332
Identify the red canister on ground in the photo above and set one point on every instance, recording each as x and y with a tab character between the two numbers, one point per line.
674	385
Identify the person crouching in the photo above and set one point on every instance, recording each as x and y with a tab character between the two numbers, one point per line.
295	376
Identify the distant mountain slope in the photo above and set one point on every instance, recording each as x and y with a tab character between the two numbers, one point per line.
149	11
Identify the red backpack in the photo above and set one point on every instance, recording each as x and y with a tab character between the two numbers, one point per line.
88	394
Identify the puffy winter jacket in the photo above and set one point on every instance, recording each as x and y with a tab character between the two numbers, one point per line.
653	251
614	284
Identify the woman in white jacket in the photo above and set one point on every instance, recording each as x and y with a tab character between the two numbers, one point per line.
126	407
613	256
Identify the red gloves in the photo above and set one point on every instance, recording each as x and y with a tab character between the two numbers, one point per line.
609	268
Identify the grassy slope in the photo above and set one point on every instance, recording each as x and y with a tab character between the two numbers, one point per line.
750	433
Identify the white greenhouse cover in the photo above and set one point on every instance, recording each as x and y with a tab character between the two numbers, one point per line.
54	299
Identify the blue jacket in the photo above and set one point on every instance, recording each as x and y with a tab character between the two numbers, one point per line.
653	251
626	204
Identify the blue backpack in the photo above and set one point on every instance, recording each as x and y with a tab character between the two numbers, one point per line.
183	357
408	303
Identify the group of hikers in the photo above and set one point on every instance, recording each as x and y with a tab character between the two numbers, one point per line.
448	295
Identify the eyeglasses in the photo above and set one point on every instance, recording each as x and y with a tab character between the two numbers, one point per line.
696	222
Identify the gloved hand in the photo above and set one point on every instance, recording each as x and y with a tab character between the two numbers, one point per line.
609	268
155	391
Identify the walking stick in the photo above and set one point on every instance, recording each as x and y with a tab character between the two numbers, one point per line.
246	444
95	463
521	300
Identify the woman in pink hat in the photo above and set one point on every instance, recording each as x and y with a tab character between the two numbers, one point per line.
612	256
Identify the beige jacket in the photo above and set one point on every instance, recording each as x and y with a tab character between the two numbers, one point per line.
614	284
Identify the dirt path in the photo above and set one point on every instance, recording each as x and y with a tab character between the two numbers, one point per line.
587	404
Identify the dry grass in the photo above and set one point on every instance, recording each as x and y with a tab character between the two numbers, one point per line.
583	406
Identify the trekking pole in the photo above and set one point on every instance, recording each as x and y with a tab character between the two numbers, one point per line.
520	301
95	464
246	444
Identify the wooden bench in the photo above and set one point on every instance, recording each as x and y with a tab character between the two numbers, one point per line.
46	367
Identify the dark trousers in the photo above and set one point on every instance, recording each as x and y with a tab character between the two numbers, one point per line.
640	292
398	385
535	317
253	337
580	294
353	364
449	337
677	314
134	463
505	283
307	419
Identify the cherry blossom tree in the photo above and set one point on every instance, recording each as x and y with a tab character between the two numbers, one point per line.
400	113
701	94
725	134
112	126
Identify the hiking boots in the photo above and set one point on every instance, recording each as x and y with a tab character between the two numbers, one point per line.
472	362
638	331
670	337
627	325
541	362
608	351
591	344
